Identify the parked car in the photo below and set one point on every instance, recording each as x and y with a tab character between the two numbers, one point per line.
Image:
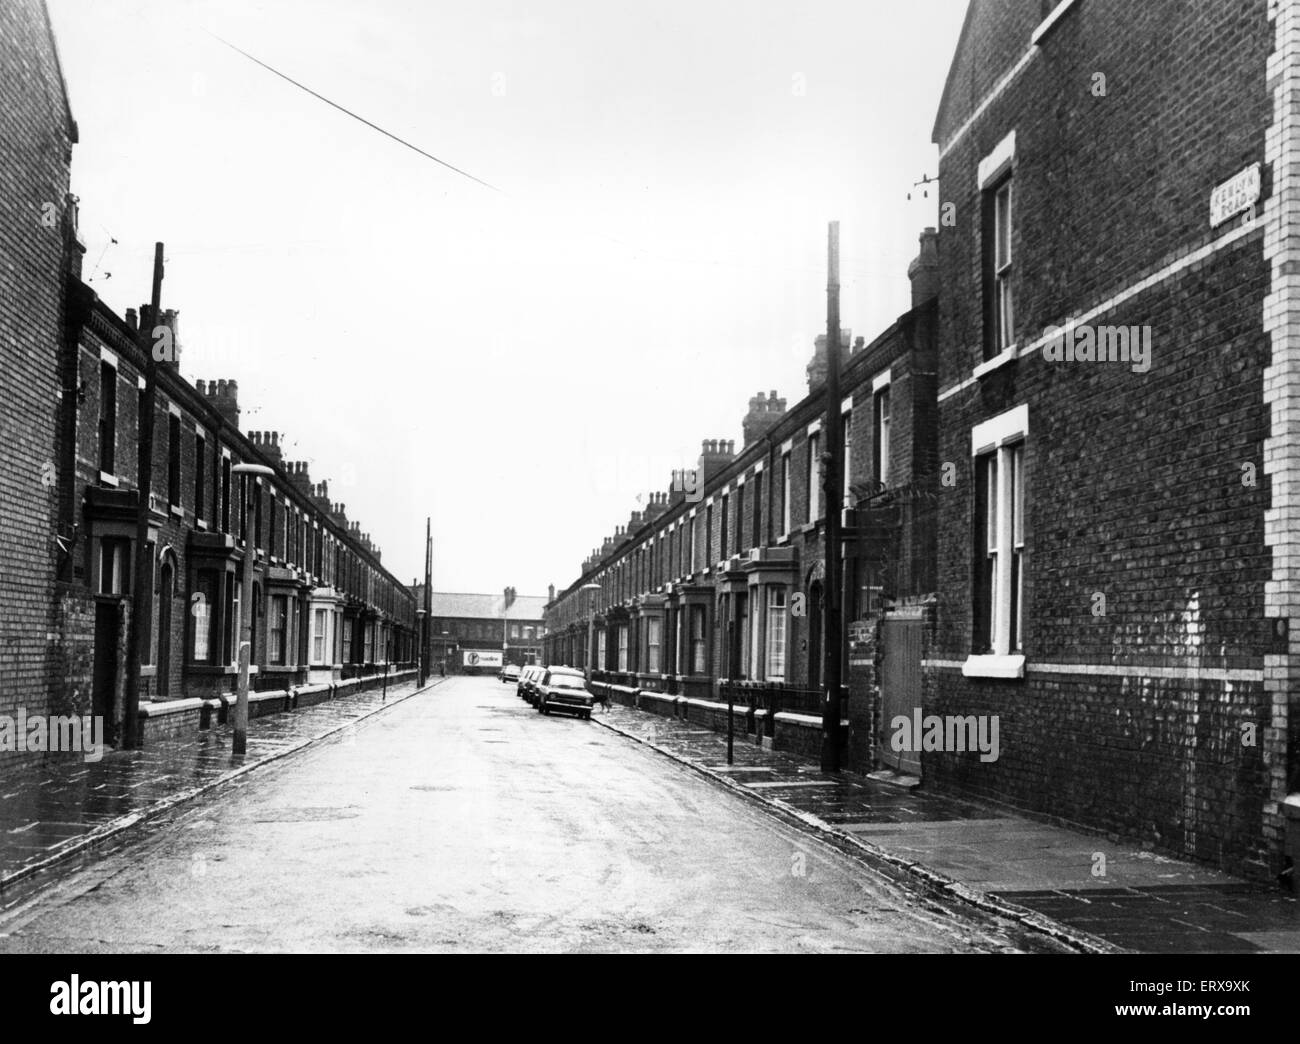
564	689
527	687
509	673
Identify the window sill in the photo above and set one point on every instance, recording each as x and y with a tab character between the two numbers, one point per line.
991	666
1005	356
105	479
177	511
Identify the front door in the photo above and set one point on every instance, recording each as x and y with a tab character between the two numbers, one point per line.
104	678
900	689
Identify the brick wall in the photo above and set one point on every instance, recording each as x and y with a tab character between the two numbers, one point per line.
1130	721
36	136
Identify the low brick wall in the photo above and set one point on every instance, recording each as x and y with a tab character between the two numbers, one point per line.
170	719
802	734
175	719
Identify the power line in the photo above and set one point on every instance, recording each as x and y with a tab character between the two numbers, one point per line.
349	112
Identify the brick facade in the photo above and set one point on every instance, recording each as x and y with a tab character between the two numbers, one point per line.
752	592
1146	714
37	245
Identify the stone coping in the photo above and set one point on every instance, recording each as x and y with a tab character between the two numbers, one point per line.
162	708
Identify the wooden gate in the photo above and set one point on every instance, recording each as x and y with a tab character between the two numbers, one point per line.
900	689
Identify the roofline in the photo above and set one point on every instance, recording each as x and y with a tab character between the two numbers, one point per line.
73	135
952	67
809	405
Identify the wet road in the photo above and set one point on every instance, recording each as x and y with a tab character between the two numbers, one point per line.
462	820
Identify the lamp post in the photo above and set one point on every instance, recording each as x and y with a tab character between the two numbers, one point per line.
246	607
591	626
424	663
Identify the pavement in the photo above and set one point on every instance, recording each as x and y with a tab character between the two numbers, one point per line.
456	818
460	820
61	809
1093	894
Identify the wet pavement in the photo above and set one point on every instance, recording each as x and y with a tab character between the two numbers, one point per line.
461	820
1121	894
55	807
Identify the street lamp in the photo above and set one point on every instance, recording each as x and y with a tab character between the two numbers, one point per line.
246	607
591	626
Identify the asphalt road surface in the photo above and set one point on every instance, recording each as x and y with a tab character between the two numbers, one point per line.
461	820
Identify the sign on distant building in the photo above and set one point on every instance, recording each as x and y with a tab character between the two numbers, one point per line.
482	658
1240	192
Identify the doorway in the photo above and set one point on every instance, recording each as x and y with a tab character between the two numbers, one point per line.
167	577
104	677
900	689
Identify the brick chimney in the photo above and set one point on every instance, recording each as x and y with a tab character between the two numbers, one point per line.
550	594
339	513
924	269
320	495
269	443
715	455
657	506
764	414
224	398
298	476
817	368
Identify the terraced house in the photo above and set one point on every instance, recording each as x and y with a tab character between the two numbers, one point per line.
327	616
716	586
1119	376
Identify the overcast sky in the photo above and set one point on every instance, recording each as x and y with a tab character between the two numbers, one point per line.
521	362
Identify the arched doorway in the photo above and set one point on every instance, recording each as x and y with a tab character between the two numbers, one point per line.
166	591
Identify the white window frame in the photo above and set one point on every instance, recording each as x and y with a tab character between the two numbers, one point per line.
880	393
814	511
1004	302
785	493
654	645
774	658
319	634
1004	435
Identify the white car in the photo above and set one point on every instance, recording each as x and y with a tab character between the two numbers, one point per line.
509	673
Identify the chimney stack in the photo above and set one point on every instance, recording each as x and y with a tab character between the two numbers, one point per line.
224	398
550	592
817	368
924	269
716	455
764	414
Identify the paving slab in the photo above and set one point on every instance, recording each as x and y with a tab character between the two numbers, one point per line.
1118	893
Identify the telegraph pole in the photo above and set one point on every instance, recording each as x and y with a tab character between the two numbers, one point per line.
834	459
425	623
142	587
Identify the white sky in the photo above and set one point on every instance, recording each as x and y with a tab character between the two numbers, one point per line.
522	364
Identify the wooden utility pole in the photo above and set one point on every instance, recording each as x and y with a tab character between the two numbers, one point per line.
428	594
834	474
142	586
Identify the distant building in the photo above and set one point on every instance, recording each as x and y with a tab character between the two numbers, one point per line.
478	633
